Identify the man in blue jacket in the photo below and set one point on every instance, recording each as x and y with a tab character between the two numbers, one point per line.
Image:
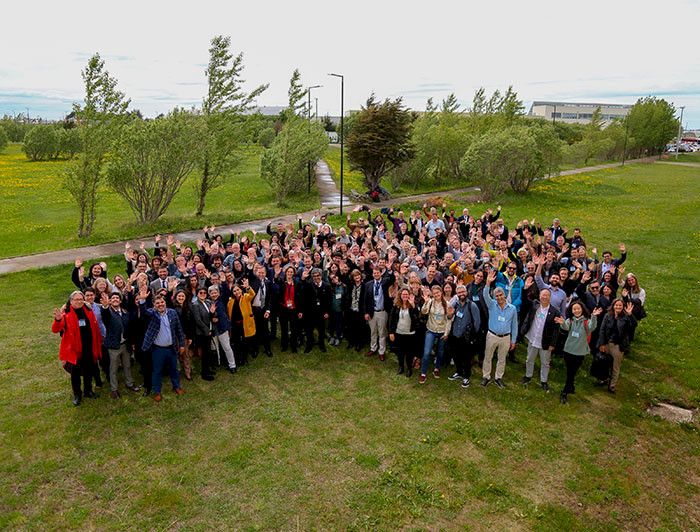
512	286
165	338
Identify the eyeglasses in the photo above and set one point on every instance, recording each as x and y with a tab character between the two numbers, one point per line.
595	287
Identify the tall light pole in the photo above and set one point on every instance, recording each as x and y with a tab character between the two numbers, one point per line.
554	114
342	134
680	127
308	114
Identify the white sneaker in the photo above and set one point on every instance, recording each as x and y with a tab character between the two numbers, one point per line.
465	383
454	377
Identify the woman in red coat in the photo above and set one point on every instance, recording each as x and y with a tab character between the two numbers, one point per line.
80	343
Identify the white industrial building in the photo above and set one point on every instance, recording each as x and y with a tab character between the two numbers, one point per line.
578	113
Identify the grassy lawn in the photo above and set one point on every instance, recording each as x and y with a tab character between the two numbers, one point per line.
355	179
682	158
38	214
339	442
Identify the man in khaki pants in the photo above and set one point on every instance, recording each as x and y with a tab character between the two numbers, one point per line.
375	310
502	333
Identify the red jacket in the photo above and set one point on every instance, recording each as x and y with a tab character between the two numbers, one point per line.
71	344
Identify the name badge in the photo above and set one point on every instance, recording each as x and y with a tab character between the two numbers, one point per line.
541	315
501	318
438	317
575	334
82	323
459	314
475	298
318	303
338	296
289	304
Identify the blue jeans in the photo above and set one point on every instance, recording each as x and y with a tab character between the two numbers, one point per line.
430	338
162	356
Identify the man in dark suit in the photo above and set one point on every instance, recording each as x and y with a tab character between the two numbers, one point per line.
376	305
317	305
261	309
202	311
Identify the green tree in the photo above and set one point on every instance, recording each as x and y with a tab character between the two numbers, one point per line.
41	142
295	149
222	112
3	139
69	142
380	139
267	137
99	118
284	164
151	160
652	124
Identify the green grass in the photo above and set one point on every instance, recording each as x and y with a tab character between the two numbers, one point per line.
40	215
339	442
355	180
683	157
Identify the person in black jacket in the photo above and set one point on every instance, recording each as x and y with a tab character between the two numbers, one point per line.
593	299
614	338
117	341
542	332
289	297
317	299
221	330
261	308
201	310
403	324
475	294
466	324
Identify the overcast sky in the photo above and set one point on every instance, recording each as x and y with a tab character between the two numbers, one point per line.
595	51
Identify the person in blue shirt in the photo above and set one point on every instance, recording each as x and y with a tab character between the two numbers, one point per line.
502	331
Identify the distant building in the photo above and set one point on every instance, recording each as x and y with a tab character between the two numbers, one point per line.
578	113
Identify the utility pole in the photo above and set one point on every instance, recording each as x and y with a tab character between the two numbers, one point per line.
342	134
680	128
624	150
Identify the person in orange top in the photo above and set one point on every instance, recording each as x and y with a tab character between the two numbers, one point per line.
80	343
240	312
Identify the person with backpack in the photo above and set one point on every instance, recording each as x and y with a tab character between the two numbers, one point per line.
579	324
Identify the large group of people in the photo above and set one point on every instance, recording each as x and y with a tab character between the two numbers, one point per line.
435	289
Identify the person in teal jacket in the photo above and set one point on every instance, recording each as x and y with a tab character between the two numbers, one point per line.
579	324
512	286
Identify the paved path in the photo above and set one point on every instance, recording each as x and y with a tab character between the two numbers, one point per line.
329	197
680	164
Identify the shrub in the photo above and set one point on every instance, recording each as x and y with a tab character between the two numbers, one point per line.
41	142
266	137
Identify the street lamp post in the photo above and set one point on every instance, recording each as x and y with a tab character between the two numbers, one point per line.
342	134
308	115
680	127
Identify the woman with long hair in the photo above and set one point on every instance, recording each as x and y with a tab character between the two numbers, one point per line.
615	334
438	327
181	304
353	306
289	298
579	324
403	324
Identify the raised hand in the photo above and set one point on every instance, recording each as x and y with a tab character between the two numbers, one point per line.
172	284
491	277
529	282
81	273
597	311
206	229
170	240
157	238
213	227
629	308
559	320
127	246
245	282
78	262
144	292
622	247
142	246
104	299
586	276
58	314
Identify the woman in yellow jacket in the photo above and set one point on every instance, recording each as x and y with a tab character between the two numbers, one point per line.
240	312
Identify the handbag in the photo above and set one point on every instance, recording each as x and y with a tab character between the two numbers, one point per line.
600	368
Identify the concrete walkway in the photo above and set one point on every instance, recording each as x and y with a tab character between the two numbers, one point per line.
696	165
329	198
